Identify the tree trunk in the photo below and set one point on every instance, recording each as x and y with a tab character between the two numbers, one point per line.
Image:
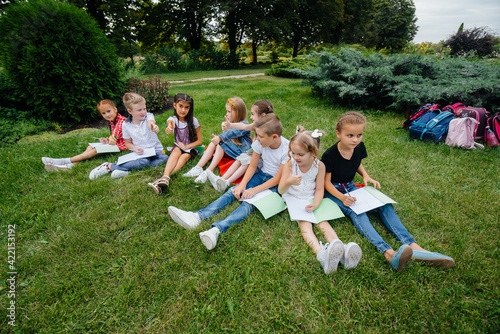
254	52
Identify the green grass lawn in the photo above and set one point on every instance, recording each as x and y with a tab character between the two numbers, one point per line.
187	76
103	256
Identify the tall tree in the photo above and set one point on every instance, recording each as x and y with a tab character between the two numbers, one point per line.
308	22
118	19
393	24
232	22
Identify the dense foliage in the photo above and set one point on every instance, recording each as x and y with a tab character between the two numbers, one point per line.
286	69
59	59
476	40
153	89
172	60
403	82
298	24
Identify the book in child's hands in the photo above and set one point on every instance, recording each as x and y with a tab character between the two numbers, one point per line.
269	203
104	148
368	198
327	210
148	152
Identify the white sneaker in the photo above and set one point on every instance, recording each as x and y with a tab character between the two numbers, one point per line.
352	255
116	174
186	219
212	178
209	238
202	178
56	168
222	184
195	171
48	161
100	171
330	255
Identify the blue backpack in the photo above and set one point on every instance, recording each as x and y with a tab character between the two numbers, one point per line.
431	126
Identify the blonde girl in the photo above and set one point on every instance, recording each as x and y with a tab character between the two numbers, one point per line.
233	142
107	109
187	133
238	168
342	162
303	178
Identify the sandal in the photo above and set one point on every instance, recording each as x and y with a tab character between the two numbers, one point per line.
163	182
155	187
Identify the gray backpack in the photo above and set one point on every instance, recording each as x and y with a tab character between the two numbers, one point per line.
461	133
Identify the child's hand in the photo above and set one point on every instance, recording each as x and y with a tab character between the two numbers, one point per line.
348	201
170	127
181	146
154	127
293	179
367	179
226	125
310	207
216	139
237	191
104	140
249	193
138	150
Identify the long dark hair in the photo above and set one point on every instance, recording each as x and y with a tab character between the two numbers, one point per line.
189	117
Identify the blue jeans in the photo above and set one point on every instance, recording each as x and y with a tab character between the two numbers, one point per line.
227	198
152	161
363	225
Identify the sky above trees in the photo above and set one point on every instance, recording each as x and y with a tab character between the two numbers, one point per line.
439	19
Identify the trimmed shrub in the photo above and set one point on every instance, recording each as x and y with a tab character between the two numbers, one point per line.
59	59
287	68
403	82
154	90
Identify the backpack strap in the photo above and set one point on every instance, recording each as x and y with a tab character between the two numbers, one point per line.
435	121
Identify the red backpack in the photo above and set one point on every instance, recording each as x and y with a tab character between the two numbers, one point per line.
494	123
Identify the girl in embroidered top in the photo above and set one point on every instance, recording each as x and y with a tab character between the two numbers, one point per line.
238	168
303	178
108	111
342	161
187	133
232	142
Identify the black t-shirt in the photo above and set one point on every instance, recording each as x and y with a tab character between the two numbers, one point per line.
343	171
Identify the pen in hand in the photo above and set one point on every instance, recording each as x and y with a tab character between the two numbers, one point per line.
347	191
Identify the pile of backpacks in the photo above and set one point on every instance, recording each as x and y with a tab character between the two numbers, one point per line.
456	124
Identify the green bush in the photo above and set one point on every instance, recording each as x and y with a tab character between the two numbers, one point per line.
287	68
15	124
171	60
403	82
154	90
10	96
60	60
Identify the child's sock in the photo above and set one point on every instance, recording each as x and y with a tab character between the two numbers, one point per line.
67	161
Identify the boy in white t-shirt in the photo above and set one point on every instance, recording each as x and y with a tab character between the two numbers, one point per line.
139	132
273	148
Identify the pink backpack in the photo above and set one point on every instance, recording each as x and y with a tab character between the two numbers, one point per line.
461	133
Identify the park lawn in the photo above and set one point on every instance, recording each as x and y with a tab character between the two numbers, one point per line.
196	75
103	256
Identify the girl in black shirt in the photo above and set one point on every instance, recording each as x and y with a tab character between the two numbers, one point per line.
342	162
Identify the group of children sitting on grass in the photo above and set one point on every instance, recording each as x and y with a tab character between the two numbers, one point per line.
291	168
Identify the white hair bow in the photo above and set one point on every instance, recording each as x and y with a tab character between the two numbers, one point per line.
316	134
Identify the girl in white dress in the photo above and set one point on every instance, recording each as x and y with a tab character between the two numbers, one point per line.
304	178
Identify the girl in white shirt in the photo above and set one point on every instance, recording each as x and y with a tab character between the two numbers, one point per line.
304	178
